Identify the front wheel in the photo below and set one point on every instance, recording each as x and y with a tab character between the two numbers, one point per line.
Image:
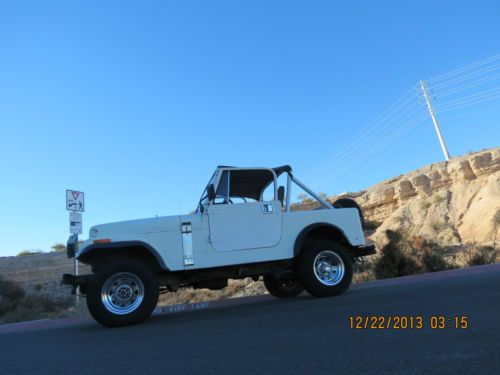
325	269
121	293
282	288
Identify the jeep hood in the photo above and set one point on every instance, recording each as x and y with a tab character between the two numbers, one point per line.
118	230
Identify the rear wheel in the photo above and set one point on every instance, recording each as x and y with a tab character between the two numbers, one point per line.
122	292
282	288
325	268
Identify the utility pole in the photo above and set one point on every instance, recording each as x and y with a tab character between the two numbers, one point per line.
434	120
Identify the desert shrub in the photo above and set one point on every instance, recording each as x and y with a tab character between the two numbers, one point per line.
434	261
364	276
438	226
479	255
190	295
496	219
430	255
17	306
58	247
439	198
425	205
10	292
362	266
34	307
396	260
304	198
372	225
405	255
28	252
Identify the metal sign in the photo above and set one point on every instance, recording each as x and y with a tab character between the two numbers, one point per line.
75	201
75	223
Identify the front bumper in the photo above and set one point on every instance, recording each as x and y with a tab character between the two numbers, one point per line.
76	281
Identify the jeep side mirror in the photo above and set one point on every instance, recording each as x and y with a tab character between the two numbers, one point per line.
211	192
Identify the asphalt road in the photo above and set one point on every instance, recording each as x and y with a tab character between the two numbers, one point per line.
303	335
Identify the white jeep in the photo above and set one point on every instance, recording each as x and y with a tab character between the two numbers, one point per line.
244	226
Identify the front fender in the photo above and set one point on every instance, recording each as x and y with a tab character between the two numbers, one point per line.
92	249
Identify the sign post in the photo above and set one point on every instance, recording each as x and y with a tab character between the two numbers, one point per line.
75	204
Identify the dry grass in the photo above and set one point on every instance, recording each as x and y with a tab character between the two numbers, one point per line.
408	255
29	252
474	255
235	288
405	255
17	306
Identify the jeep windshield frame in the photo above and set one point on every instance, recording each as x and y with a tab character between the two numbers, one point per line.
204	196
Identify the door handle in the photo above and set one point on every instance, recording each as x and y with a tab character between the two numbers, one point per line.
267	208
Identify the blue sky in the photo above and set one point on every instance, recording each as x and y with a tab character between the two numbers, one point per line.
135	103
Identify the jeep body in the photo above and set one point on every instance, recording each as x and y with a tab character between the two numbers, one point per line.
244	226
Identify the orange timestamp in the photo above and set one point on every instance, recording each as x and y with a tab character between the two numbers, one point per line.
408	322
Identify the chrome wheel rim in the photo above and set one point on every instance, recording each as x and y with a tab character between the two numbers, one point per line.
122	293
329	268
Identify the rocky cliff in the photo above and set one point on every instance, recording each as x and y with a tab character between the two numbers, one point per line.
451	202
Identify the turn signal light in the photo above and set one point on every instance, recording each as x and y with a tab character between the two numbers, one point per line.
102	240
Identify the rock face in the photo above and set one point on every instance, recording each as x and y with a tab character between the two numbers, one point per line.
451	202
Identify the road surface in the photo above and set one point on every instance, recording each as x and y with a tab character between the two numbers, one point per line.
265	335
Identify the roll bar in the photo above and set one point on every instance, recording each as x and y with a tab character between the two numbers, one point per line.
291	178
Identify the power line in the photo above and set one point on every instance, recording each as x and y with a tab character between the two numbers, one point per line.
467	86
466	77
405	114
462	69
390	138
367	135
452	117
469	103
359	153
354	152
365	132
470	97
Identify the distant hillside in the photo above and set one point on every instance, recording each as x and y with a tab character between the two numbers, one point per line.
451	202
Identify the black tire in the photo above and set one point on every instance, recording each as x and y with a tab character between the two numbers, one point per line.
316	266
131	277
350	203
282	288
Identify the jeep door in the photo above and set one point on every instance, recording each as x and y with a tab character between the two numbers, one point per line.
240	218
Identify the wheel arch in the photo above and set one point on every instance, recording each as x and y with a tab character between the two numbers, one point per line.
319	231
99	253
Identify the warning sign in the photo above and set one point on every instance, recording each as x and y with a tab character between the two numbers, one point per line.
75	223
75	201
